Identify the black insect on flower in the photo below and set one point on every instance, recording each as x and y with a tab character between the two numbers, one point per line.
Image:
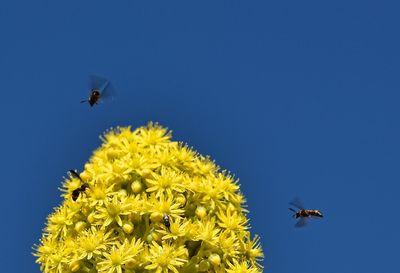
166	221
100	90
76	192
303	214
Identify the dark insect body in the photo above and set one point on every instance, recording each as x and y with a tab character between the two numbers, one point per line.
166	221
76	192
306	213
94	97
100	89
302	214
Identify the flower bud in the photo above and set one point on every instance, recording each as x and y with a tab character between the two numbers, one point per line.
204	265
122	193
181	200
214	259
127	228
136	186
201	212
74	266
156	217
80	226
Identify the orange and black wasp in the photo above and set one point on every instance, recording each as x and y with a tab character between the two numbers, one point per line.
76	192
303	213
100	89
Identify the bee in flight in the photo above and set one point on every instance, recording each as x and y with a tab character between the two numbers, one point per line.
100	89
76	192
303	213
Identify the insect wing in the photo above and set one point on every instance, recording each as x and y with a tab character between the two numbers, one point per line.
301	223
75	174
104	86
107	92
293	210
296	202
96	82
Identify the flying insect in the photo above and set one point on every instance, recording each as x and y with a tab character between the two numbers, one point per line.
303	214
76	192
100	89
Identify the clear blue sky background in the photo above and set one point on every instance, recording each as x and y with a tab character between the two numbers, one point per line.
297	98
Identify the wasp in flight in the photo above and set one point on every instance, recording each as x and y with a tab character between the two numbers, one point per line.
100	89
76	192
303	214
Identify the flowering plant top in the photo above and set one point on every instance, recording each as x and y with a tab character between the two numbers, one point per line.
149	204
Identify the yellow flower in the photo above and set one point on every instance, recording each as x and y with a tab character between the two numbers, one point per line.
60	222
57	261
207	231
232	221
152	135
152	205
178	228
93	242
228	244
165	205
114	260
253	249
167	182
204	166
113	210
44	250
98	193
241	267
165	258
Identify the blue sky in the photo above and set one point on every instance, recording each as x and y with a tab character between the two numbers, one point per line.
297	98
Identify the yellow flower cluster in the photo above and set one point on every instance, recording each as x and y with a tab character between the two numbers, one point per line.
151	205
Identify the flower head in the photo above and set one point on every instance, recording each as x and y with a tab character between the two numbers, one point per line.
151	205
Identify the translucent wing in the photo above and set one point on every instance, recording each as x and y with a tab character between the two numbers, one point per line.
296	202
107	91
291	209
96	82
301	223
